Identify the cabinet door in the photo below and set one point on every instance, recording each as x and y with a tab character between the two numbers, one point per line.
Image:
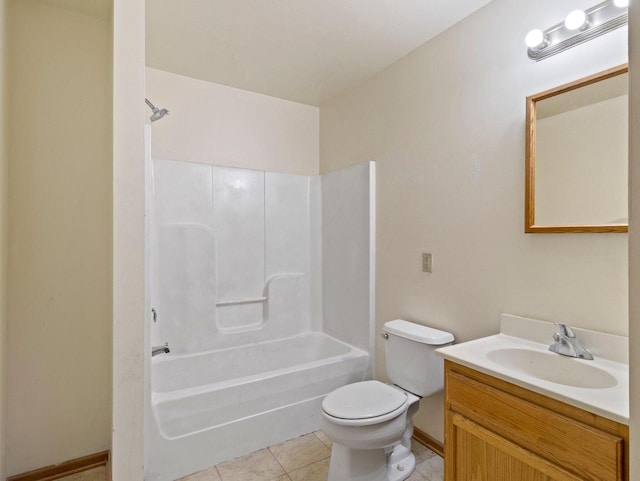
558	440
477	454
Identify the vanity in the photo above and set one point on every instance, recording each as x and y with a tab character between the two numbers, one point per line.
515	411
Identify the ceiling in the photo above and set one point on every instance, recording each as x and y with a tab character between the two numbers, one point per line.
307	51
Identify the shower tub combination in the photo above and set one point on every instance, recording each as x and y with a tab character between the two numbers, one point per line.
214	406
261	321
220	387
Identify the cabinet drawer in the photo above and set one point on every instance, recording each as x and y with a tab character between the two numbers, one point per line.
576	447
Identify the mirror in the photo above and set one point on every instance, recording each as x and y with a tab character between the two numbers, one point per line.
577	156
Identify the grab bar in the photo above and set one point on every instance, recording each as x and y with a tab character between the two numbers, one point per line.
265	291
236	302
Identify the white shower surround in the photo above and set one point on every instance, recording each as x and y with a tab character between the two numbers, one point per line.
225	236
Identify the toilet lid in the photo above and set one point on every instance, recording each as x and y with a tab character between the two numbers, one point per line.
362	400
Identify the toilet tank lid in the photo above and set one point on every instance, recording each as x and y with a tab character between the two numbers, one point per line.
418	332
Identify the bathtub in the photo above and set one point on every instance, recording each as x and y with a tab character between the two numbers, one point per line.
217	405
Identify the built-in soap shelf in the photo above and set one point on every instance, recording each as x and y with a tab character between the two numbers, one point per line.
265	292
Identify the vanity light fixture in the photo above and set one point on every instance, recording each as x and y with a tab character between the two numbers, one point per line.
536	39
576	20
579	26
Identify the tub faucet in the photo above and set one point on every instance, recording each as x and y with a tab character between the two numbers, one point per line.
567	344
155	350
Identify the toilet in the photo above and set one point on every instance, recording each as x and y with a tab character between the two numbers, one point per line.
370	422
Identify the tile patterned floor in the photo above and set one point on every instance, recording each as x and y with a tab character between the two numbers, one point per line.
304	459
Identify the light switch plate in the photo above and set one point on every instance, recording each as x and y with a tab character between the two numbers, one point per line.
426	262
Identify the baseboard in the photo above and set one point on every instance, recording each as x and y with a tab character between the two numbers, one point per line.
67	468
423	438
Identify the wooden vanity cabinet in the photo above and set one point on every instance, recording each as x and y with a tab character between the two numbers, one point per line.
497	431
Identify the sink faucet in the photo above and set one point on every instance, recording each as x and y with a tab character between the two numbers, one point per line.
155	350
567	344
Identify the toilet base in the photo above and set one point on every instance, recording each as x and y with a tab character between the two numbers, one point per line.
402	462
348	464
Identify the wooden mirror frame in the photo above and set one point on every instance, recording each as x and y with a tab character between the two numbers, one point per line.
530	148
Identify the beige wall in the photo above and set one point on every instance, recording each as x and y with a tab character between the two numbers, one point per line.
634	233
3	237
59	312
216	124
446	127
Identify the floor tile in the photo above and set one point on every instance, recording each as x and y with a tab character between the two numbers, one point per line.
326	440
96	474
421	452
314	472
283	478
416	476
259	466
432	468
299	452
210	474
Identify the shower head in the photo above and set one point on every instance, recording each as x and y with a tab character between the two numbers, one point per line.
157	113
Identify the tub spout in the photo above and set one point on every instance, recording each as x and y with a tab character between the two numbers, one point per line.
155	350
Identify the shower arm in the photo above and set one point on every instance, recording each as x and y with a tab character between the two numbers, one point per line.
151	106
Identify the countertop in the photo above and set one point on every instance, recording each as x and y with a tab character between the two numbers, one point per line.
521	334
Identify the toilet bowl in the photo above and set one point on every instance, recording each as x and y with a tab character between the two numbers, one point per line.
370	422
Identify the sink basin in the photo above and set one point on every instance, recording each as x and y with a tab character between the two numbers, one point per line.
553	368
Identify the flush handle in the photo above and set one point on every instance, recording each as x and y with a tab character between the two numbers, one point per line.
385	335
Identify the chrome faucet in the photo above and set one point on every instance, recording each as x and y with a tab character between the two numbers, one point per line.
155	350
567	344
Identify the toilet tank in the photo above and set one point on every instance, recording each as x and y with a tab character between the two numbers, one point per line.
412	362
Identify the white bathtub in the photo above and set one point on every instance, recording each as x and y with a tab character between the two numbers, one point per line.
213	406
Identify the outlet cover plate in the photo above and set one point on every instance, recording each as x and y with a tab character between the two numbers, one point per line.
426	262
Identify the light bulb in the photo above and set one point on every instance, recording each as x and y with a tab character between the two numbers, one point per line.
535	38
621	3
575	20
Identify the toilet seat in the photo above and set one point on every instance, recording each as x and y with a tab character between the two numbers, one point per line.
364	403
